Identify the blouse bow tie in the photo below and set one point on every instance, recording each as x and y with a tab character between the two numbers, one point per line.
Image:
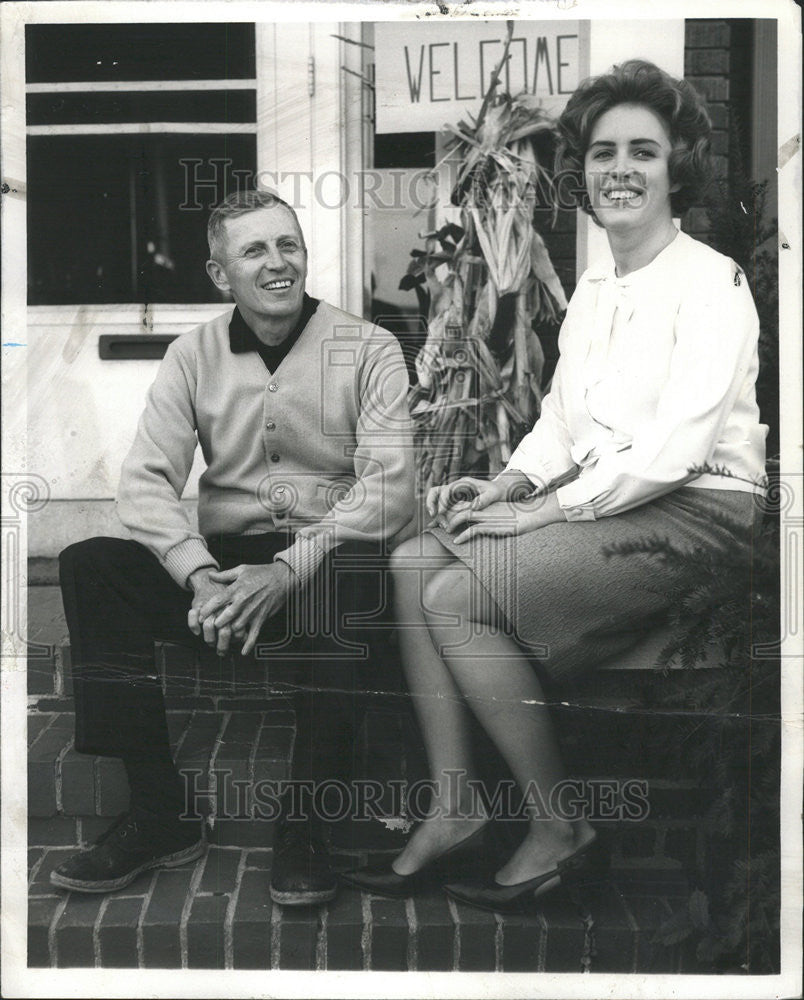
613	300
615	296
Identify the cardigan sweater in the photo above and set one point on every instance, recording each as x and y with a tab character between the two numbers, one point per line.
321	448
655	378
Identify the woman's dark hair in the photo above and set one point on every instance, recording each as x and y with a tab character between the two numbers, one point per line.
674	101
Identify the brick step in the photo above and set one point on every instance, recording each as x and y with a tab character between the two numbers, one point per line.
208	682
217	913
242	749
191	680
187	677
235	715
233	762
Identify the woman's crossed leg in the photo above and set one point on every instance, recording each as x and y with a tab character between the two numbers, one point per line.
458	656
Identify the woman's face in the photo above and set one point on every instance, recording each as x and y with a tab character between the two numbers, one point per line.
626	170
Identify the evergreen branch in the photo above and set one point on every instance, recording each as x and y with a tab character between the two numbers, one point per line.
721	470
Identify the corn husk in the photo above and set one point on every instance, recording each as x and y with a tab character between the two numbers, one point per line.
471	404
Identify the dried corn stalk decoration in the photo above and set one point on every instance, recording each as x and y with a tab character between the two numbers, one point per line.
485	281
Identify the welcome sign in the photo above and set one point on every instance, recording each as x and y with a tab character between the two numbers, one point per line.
433	73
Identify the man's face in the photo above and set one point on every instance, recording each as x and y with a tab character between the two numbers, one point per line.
262	261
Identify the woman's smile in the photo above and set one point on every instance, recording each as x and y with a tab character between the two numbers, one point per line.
621	195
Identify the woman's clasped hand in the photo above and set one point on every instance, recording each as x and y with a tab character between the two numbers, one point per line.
471	507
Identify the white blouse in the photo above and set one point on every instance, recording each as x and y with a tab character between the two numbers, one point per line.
656	377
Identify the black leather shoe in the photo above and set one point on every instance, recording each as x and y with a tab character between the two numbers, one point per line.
300	874
382	880
135	843
490	895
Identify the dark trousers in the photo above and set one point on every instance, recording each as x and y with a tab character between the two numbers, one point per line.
118	599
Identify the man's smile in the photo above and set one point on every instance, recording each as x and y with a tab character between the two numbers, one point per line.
277	284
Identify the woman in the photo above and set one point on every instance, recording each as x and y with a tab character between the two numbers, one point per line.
655	381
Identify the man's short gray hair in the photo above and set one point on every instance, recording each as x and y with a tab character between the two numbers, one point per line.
239	203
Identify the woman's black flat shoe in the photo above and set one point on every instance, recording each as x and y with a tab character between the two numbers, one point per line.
490	895
382	880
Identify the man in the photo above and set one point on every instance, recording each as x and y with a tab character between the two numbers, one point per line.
300	410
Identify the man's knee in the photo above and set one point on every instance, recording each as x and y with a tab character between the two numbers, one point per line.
87	552
92	556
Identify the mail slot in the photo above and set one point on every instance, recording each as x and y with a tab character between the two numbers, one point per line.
133	347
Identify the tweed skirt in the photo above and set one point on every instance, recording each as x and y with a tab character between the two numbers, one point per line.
571	606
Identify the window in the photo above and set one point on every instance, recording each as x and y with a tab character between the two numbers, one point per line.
133	132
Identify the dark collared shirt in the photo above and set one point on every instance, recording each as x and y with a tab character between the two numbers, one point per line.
242	338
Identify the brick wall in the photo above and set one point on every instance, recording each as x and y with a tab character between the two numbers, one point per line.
717	62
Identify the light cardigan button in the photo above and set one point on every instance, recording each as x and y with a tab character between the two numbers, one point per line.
272	387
